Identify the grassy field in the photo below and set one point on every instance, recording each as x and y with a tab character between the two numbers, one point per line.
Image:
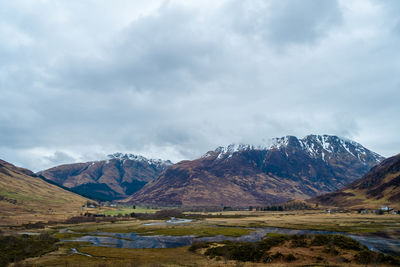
342	222
122	257
182	256
339	222
199	228
127	210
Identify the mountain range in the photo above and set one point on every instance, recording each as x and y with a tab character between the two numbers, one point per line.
116	177
380	186
325	168
239	175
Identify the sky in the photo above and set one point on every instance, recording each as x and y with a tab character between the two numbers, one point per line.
80	79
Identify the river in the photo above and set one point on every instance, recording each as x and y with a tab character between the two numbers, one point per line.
134	240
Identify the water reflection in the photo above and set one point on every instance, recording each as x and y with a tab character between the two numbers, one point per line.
132	240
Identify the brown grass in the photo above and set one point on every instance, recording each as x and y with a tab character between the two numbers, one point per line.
341	222
181	257
35	200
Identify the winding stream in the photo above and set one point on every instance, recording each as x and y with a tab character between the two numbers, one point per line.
134	240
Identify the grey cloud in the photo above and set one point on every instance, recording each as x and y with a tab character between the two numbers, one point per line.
59	158
392	9
167	51
181	80
286	22
302	21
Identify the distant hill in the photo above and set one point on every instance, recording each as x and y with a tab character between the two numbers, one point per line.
380	186
114	178
25	198
240	175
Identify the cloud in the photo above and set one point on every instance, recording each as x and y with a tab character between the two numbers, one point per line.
283	23
59	157
174	79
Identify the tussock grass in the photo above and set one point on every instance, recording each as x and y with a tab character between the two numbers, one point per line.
298	247
127	210
198	229
339	222
278	248
111	257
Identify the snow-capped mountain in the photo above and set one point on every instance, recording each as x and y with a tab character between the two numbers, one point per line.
316	146
117	176
123	157
283	169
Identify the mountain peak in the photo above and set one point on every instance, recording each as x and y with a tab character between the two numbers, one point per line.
127	156
118	176
242	174
316	146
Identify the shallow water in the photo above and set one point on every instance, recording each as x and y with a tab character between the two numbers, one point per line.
133	240
75	251
172	221
28	233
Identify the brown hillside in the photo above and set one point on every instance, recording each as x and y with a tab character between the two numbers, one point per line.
118	177
244	175
24	198
380	186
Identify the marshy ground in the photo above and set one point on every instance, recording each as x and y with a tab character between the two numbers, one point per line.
231	223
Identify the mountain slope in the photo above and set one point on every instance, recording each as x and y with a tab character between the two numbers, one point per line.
24	198
240	175
380	186
117	177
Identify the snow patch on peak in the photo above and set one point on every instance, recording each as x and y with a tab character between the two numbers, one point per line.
324	145
123	157
317	146
279	142
231	149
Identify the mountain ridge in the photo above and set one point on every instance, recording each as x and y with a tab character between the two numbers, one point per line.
249	175
115	177
380	186
306	143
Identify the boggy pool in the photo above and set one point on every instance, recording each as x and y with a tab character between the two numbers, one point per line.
133	240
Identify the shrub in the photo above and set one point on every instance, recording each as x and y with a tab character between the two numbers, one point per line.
367	256
320	240
299	241
277	255
259	251
247	251
391	260
345	242
235	251
339	241
273	240
267	257
16	248
197	245
290	258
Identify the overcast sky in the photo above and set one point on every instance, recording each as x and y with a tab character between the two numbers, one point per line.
174	79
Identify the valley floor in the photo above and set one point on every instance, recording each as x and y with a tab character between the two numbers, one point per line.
226	223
